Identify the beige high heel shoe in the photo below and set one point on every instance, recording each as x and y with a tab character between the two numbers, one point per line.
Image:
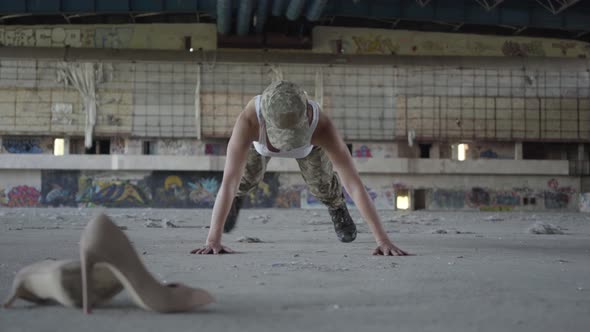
104	244
61	281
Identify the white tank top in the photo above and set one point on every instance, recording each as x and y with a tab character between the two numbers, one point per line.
297	153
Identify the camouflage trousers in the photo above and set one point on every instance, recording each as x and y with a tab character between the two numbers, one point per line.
316	170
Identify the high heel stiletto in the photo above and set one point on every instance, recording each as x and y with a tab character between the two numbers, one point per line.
104	244
60	281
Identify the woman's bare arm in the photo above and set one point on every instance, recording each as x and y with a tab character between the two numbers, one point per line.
329	139
235	162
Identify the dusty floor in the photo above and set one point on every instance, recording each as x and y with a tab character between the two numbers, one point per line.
492	276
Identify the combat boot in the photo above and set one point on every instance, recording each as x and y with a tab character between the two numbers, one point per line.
343	223
232	217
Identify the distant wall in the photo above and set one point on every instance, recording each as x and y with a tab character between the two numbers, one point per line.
122	36
402	42
366	103
175	181
198	189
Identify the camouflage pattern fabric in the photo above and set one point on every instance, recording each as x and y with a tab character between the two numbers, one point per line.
284	109
316	170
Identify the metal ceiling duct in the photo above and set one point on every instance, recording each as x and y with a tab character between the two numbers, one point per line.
245	16
224	8
261	14
294	9
315	10
278	7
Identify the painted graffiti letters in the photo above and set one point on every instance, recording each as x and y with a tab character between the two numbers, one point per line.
378	44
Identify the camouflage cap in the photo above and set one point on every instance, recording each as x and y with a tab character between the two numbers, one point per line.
284	108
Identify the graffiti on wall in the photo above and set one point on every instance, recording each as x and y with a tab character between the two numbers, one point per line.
482	199
117	145
485	199
41	37
185	189
382	199
23	145
400	42
478	197
584	202
19	196
111	190
110	36
557	197
59	188
215	149
177	147
515	48
377	44
174	189
489	154
372	150
363	152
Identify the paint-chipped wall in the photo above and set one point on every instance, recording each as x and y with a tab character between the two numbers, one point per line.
125	36
401	42
198	189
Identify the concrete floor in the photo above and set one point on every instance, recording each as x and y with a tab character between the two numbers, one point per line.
493	276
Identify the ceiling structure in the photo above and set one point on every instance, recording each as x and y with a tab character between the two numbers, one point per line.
241	21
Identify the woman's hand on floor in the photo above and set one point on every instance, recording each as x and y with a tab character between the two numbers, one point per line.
212	248
389	249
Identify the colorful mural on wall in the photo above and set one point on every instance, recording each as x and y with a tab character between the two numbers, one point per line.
383	198
112	190
176	189
59	188
403	42
485	199
19	196
185	189
26	145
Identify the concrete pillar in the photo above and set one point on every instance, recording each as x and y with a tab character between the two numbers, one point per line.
395	150
581	151
435	151
517	150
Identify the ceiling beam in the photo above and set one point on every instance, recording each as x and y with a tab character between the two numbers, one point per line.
557	6
489	4
423	3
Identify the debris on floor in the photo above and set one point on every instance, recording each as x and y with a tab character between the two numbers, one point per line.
544	228
493	218
262	218
153	224
449	231
168	224
248	239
